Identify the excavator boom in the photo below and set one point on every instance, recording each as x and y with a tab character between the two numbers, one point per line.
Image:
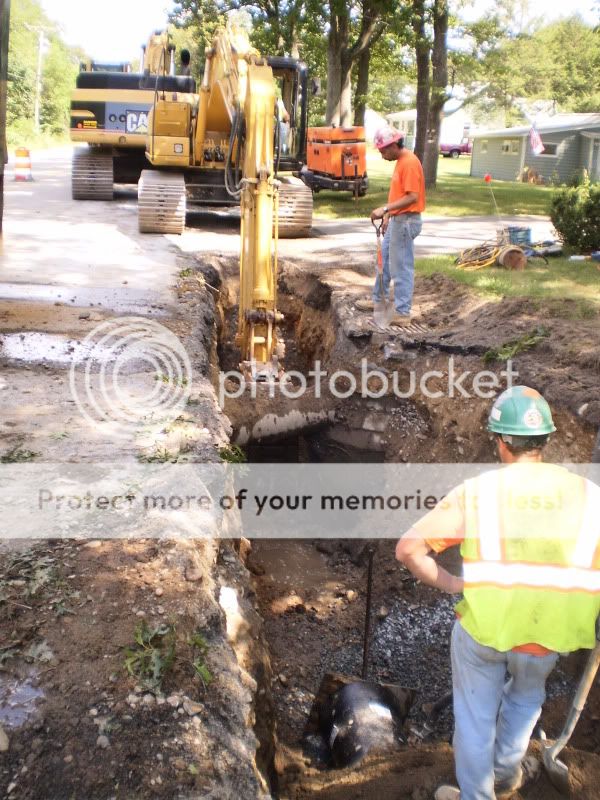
257	313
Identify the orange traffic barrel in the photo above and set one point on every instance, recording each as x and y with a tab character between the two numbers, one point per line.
23	165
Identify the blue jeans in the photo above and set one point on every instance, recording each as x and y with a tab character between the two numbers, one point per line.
494	717
398	252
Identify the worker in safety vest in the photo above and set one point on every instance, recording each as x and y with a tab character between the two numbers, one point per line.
529	535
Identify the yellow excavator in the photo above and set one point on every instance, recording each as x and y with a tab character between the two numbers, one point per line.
109	113
228	136
195	142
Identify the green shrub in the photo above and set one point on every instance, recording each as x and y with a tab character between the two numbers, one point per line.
575	212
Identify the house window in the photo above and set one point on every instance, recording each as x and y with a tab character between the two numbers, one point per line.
484	145
510	147
550	149
516	147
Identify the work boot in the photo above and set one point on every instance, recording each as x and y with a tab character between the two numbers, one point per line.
447	793
365	305
400	320
529	772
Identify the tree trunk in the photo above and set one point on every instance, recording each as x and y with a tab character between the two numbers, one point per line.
4	27
439	82
337	45
293	30
341	55
346	89
422	59
334	83
362	86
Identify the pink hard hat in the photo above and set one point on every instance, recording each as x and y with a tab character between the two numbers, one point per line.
386	136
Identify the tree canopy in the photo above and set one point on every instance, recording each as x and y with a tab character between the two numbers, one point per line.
382	54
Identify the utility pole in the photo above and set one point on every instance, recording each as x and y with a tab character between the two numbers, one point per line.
38	83
38	74
4	20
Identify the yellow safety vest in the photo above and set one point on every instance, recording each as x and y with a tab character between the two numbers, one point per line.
530	558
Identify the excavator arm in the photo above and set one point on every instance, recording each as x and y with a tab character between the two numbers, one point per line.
258	314
238	95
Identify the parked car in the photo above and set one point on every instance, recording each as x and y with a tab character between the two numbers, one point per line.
454	150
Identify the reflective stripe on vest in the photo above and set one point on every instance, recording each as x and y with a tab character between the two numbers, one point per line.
490	569
537	576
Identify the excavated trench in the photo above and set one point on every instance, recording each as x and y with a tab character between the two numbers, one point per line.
311	592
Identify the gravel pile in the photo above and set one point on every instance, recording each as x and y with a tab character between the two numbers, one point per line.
411	646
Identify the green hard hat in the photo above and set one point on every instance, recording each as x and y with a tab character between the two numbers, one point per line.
521	411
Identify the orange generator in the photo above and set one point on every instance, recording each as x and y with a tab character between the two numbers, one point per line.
336	158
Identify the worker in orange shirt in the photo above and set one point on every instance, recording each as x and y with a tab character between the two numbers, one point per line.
530	543
402	224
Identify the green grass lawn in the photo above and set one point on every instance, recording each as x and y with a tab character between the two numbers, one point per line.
456	195
559	280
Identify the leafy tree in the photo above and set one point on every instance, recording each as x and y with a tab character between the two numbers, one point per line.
195	22
380	86
554	62
22	54
439	82
423	62
569	74
58	80
348	42
59	68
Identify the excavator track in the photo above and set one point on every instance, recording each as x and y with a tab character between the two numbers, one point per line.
161	202
295	209
92	175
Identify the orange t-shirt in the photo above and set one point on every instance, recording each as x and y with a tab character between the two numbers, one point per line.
408	177
449	516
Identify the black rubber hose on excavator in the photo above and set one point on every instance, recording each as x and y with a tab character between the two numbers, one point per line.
233	185
277	140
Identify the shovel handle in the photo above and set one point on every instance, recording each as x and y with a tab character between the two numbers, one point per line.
585	684
378	225
367	631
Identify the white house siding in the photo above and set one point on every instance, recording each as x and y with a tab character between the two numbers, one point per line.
501	166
